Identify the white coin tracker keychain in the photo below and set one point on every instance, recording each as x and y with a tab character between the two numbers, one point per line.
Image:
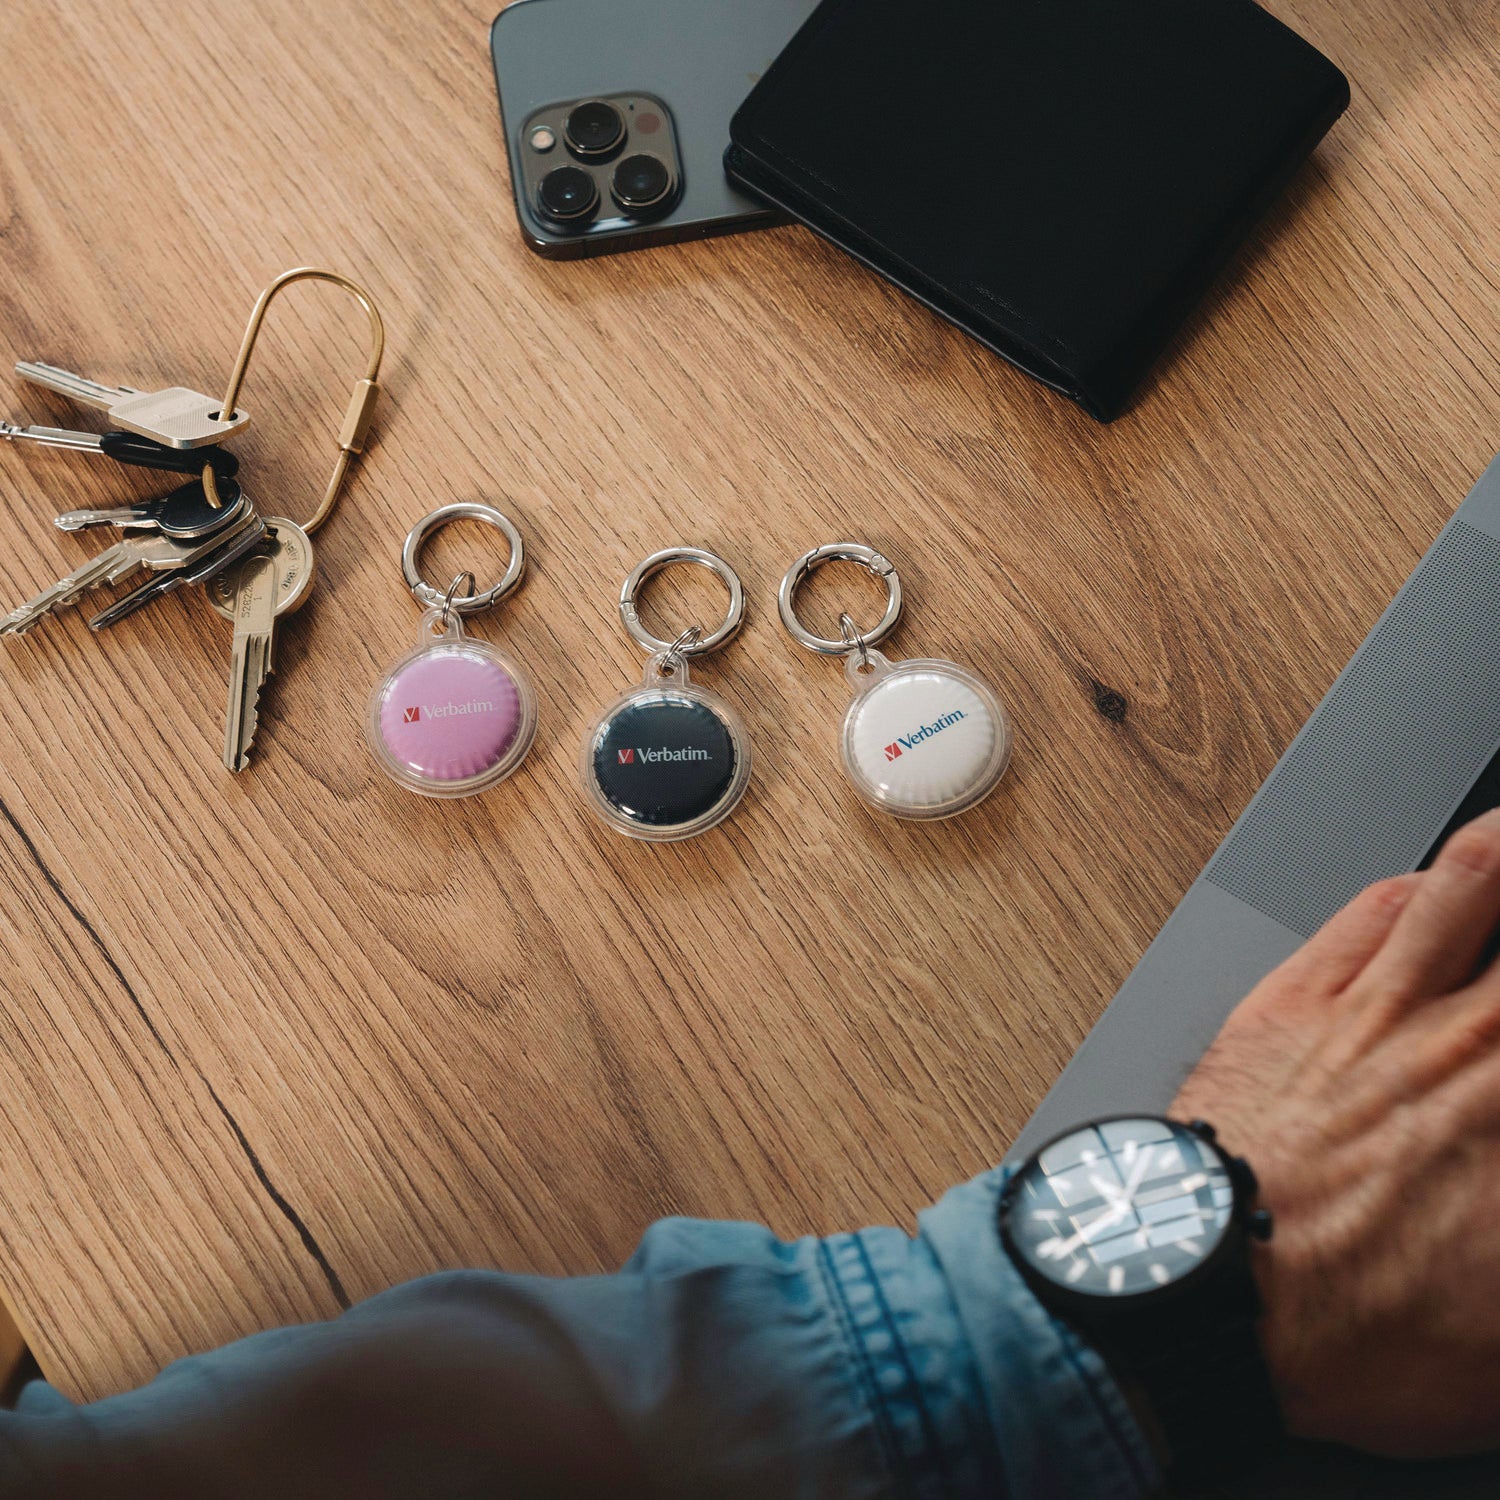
454	716
668	760
922	738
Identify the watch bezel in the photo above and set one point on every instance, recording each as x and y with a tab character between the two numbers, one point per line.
1232	1246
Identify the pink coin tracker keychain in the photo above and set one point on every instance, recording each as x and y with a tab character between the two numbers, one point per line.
668	760
454	716
922	738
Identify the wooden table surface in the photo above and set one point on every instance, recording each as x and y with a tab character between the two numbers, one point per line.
271	1043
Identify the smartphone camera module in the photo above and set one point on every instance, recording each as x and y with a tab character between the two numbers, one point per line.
568	195
641	184
596	174
594	130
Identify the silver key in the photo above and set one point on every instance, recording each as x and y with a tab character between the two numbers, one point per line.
127	556
185	512
54	437
214	554
126	448
274	582
176	417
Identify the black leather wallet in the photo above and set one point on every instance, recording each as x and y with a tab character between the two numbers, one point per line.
1060	178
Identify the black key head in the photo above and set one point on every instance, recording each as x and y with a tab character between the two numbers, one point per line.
142	453
186	512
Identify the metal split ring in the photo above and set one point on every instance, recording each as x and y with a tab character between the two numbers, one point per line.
451	601
459	581
684	645
851	640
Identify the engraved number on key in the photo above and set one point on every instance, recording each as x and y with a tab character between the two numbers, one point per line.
274	582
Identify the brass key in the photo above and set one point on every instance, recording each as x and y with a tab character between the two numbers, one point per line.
275	581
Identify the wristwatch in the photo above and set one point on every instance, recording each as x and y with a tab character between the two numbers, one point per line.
1137	1233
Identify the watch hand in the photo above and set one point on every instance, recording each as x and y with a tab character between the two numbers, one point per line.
1105	1190
1138	1173
1086	1236
1122	1196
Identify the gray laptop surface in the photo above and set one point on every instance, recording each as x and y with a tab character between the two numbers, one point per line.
1400	752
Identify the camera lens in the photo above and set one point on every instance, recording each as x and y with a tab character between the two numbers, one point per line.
567	194
594	129
641	183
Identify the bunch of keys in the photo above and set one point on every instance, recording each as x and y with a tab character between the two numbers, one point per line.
183	537
206	531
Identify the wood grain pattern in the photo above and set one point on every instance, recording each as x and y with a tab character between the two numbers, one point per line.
273	1043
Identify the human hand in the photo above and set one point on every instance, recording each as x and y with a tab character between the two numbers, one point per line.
1362	1081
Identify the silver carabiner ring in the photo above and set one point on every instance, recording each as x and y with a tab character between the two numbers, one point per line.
850	640
430	597
648	568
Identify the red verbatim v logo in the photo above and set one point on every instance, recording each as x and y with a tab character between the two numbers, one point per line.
893	752
411	715
627	757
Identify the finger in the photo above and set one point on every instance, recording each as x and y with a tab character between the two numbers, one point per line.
1438	939
1462	1030
1339	951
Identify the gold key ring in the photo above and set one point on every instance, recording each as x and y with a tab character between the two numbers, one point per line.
356	424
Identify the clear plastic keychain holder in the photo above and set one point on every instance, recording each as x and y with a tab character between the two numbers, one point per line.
924	738
669	759
454	716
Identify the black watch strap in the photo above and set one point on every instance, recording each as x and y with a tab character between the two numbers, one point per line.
1208	1388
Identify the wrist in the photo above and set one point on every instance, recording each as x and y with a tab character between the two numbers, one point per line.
1290	1296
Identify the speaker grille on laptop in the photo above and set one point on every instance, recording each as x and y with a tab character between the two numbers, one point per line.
1379	768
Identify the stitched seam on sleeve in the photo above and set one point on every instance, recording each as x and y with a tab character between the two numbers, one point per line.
855	1346
931	1443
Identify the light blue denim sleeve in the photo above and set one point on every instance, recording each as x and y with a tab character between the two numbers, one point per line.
729	1364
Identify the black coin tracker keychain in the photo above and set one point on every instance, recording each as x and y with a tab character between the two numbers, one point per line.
922	738
668	760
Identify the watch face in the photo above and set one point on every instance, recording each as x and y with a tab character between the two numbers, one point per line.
1122	1207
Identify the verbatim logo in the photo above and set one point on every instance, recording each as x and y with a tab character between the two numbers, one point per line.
648	757
926	732
419	711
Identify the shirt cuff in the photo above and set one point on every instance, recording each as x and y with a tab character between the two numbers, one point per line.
1061	1424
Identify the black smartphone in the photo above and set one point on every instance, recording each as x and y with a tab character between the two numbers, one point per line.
616	116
